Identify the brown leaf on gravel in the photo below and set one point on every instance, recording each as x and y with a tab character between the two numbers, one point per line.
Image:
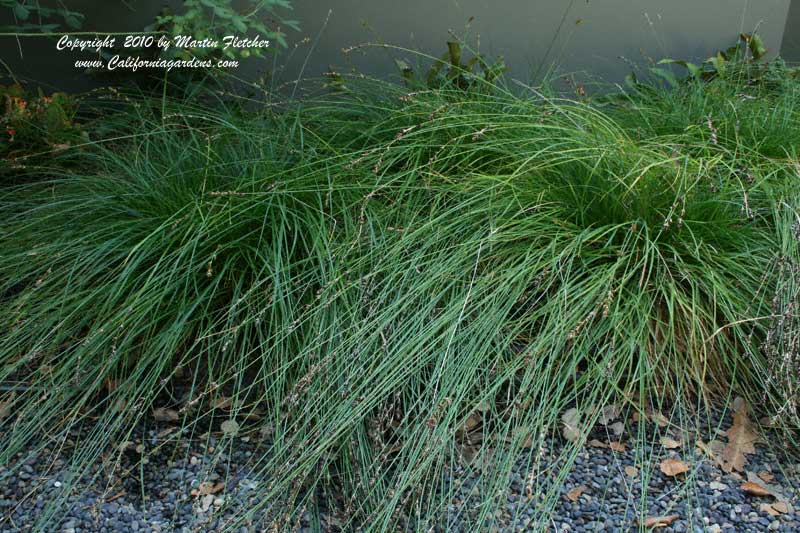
5	405
162	414
741	439
775	490
609	413
467	453
221	402
631	471
704	448
782	507
617	446
471	422
654	522
670	444
597	444
520	433
768	421
571	420
767	508
673	467
756	489
575	493
658	418
206	488
713	450
766	476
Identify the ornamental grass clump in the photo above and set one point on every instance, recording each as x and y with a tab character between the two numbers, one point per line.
398	290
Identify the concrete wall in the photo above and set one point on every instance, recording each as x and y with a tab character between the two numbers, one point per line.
790	47
578	35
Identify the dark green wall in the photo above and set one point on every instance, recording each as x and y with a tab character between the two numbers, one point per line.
580	35
790	48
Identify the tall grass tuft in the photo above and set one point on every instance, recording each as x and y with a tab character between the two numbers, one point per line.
398	286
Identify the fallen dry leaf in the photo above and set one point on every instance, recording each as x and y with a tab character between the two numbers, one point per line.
703	448
782	507
767	508
467	453
631	471
658	418
767	421
673	467
618	447
162	414
766	476
754	488
741	439
713	450
571	421
597	444
660	521
670	444
471	422
575	493
5	405
520	433
608	414
206	488
221	402
774	490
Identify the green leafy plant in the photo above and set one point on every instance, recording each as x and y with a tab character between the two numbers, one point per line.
35	124
452	70
202	19
739	100
31	17
749	51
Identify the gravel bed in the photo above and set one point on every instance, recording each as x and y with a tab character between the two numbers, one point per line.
606	490
610	490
